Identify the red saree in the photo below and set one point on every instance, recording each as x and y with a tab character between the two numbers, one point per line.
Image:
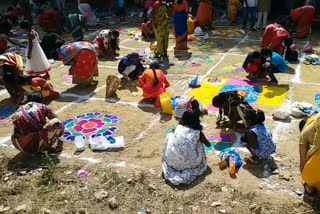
273	36
303	16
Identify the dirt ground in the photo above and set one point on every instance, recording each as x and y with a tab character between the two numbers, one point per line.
130	180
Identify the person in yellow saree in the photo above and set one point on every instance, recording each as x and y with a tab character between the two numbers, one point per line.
310	153
180	17
161	27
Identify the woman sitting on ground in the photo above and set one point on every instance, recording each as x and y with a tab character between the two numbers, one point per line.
130	66
258	139
183	157
253	65
37	84
106	43
232	105
83	60
310	153
11	66
36	127
153	82
273	37
147	30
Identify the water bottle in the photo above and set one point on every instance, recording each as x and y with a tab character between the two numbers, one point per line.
232	165
79	143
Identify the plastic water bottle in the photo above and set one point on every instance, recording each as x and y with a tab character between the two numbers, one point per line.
79	143
232	165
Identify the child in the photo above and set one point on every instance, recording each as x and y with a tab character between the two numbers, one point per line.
263	10
258	139
249	8
291	53
253	65
37	62
277	64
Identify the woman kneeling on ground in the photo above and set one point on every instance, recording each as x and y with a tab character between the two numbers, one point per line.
232	105
32	133
130	66
106	43
253	65
153	82
183	157
258	139
310	153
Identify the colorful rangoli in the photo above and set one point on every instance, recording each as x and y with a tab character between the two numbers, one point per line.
253	92
231	32
206	44
220	141
234	69
90	125
195	61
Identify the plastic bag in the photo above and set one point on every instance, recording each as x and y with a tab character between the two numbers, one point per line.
198	31
182	104
300	109
308	48
101	143
226	154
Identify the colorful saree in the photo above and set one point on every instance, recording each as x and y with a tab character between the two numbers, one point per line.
161	27
303	17
83	60
31	130
180	24
74	24
146	83
273	36
204	14
16	63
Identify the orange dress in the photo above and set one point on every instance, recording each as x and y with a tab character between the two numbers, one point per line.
204	14
146	83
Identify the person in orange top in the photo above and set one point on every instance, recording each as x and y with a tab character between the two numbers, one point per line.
153	82
303	17
180	17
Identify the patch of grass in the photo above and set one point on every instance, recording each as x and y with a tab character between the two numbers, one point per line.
47	177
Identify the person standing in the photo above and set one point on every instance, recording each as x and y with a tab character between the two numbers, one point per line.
249	9
161	27
181	8
263	10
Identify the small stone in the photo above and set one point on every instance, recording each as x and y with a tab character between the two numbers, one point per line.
275	172
252	207
148	211
284	177
170	212
113	204
4	209
278	115
223	211
196	209
152	187
180	208
224	189
258	210
6	178
69	172
22	208
82	211
216	204
101	195
46	211
22	173
298	192
130	180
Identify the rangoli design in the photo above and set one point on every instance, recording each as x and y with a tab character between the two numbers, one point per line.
90	125
220	141
231	32
195	61
234	69
254	93
207	44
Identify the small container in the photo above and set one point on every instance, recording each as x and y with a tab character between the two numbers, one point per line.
79	143
232	165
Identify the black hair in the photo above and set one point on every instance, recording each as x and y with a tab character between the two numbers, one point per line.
302	124
288	41
155	66
256	55
34	97
191	119
256	116
9	75
25	25
21	80
266	51
179	1
218	101
115	33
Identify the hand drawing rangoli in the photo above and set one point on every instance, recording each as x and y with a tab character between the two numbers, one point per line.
195	61
234	69
90	125
254	93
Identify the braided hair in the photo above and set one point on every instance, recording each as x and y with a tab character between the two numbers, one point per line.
155	66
